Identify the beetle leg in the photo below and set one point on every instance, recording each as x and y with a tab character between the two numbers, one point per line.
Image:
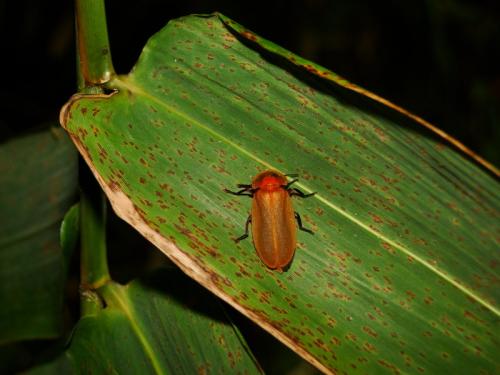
290	183
296	191
247	190
299	223
300	193
245	235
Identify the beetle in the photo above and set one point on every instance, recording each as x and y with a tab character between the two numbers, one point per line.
272	217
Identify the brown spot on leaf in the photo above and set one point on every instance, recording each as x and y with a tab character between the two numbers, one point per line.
114	185
249	35
370	331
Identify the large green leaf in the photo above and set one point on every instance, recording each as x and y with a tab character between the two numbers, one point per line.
160	325
401	274
38	175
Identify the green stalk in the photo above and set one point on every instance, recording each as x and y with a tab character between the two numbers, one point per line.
94	265
95	66
94	271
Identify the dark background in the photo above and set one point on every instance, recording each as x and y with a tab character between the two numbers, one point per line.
438	58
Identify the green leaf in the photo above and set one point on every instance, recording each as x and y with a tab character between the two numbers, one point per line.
38	174
164	324
401	274
69	233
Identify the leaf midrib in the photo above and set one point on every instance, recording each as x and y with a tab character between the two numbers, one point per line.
118	294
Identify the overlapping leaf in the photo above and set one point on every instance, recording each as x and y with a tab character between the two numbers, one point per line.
401	273
160	325
37	185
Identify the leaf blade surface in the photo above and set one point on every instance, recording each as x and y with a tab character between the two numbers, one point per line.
400	273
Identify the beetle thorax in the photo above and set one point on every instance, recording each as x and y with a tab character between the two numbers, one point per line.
270	182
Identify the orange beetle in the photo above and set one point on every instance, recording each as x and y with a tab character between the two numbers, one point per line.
272	217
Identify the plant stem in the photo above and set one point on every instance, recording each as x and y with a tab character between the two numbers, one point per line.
95	66
94	271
